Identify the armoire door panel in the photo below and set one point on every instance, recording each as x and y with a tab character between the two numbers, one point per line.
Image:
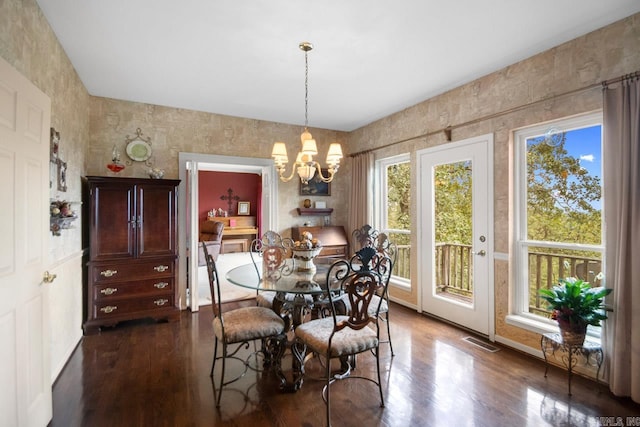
113	218
156	211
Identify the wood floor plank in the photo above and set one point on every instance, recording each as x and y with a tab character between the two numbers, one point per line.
143	373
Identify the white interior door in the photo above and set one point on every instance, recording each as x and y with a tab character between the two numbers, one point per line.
25	114
455	248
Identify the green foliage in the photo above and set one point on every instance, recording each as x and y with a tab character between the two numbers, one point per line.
399	197
574	301
453	200
560	196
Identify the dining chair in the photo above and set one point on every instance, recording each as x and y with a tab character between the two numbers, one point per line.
344	336
367	236
239	327
276	255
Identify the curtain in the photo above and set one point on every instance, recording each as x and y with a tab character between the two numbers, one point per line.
621	334
361	202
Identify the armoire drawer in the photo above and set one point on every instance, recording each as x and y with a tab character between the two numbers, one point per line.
117	272
105	309
132	289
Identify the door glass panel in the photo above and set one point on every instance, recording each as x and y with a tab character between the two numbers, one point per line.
453	215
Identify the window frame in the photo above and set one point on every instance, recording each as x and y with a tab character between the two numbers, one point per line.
519	313
380	218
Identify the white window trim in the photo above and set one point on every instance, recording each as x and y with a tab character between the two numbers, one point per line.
380	197
519	316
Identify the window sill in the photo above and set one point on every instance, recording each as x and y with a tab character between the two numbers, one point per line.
541	327
403	284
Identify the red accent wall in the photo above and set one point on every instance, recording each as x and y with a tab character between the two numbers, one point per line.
212	185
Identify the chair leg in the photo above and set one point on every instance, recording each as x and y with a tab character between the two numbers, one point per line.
377	353
215	354
386	319
224	362
328	375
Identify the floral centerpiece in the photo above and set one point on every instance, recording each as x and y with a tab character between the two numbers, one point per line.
575	305
305	250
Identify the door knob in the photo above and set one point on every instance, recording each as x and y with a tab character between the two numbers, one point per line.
48	277
481	252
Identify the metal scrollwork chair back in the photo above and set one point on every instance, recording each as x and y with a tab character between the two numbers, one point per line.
239	327
367	236
343	336
275	253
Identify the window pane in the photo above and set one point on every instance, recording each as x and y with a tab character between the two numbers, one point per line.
560	195
453	218
398	197
398	215
564	186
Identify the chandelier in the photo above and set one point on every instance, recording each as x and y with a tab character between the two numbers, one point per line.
304	164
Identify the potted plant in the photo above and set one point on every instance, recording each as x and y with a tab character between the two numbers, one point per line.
575	305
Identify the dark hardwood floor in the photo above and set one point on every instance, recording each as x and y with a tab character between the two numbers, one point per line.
157	374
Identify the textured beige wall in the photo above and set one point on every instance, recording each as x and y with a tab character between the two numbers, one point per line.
174	130
529	89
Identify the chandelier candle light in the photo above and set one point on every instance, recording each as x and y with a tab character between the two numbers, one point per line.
304	164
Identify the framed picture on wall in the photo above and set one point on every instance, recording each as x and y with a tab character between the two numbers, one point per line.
55	145
316	187
62	175
244	208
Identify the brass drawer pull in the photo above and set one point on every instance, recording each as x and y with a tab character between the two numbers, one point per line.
161	268
160	302
161	285
109	291
108	273
108	309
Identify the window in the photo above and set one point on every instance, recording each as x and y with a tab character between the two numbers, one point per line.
392	212
559	221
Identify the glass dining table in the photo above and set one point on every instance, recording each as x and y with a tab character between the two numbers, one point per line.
298	294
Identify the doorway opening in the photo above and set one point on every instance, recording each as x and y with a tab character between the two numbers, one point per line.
188	210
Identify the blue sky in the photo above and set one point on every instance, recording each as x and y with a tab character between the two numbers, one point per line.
586	145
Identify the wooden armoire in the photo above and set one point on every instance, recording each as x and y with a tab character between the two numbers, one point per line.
132	232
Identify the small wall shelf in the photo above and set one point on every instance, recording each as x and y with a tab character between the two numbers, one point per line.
61	216
61	223
314	211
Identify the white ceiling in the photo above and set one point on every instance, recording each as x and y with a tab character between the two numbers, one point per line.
371	57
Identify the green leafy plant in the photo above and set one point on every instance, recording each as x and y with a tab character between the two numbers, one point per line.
575	303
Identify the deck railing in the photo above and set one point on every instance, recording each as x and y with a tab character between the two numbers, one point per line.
454	272
454	269
545	270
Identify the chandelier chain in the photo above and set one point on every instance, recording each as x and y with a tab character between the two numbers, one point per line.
306	90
